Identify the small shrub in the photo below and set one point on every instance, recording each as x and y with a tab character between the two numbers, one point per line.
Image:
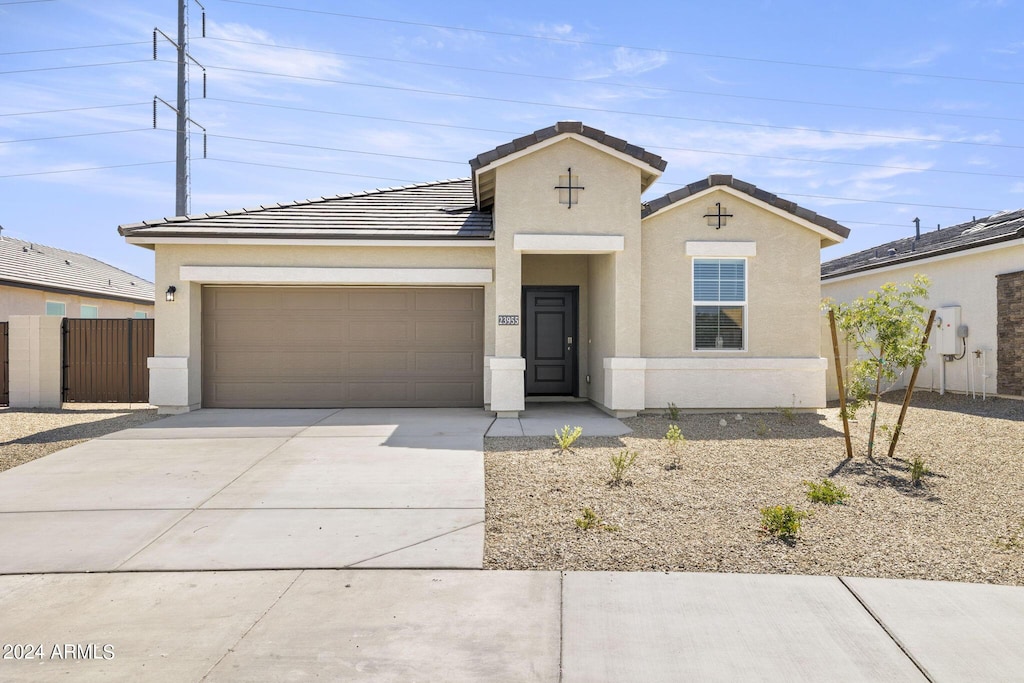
566	437
917	470
673	412
762	428
787	415
827	492
782	521
591	520
675	439
621	464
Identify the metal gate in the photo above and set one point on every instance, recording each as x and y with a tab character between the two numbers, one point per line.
5	376
104	360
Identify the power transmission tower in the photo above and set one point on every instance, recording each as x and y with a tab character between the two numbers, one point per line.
181	176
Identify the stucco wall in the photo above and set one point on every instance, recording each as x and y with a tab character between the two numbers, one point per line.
783	289
25	301
966	279
568	270
527	203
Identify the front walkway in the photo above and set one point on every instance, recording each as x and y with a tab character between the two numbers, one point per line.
510	626
255	489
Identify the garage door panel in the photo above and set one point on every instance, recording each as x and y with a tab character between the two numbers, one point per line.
443	362
396	332
266	364
277	394
446	300
379	300
342	347
450	332
444	393
376	363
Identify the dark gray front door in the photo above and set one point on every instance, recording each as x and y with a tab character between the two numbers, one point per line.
549	340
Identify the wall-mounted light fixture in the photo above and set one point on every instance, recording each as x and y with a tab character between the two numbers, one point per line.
170	292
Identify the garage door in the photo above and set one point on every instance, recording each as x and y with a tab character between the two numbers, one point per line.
283	347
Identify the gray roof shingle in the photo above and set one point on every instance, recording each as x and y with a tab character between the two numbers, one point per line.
439	210
1000	227
37	265
537	136
767	197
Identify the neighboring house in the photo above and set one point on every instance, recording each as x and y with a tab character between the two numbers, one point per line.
39	280
977	273
542	275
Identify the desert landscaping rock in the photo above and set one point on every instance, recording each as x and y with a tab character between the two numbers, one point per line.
29	434
963	524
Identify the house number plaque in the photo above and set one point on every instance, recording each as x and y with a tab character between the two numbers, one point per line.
508	319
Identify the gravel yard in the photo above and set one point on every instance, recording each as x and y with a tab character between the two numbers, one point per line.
29	434
965	523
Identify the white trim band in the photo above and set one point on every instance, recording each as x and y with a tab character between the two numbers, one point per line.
698	248
568	244
285	275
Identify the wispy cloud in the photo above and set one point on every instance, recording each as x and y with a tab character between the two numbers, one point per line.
245	56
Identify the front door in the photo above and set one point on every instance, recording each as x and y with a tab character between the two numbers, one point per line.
549	340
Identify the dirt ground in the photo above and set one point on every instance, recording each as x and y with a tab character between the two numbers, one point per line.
964	523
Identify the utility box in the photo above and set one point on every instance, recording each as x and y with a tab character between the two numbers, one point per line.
947	321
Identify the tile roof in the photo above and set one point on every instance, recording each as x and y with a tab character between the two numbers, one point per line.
1000	227
439	210
767	197
37	265
559	128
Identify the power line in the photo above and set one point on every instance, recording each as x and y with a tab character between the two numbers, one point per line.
636	86
574	41
25	2
61	111
881	136
75	135
332	149
642	144
91	168
311	170
73	66
79	47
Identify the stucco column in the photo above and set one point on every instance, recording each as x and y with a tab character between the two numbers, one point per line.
625	370
34	360
507	367
175	370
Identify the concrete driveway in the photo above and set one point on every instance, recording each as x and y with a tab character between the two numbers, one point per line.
255	489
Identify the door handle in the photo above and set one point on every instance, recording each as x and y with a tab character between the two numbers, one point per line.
568	341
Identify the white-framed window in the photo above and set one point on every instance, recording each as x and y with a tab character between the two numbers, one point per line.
56	308
719	304
87	311
141	314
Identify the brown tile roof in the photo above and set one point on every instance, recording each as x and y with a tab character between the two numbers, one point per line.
767	197
439	210
559	128
43	267
1000	227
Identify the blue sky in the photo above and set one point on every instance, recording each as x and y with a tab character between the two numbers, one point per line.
912	106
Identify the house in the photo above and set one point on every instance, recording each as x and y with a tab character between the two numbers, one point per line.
543	274
977	288
39	280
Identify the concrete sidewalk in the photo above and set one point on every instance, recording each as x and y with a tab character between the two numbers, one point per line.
255	489
507	626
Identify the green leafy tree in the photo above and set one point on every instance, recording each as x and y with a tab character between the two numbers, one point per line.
886	327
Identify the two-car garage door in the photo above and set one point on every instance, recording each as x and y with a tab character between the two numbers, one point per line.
287	347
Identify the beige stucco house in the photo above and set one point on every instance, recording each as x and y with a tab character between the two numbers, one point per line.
544	274
977	289
36	279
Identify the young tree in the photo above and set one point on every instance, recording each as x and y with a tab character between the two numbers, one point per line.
886	327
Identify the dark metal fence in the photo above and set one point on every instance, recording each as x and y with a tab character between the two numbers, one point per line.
5	375
104	360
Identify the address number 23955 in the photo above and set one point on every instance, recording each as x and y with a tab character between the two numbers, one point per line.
508	319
